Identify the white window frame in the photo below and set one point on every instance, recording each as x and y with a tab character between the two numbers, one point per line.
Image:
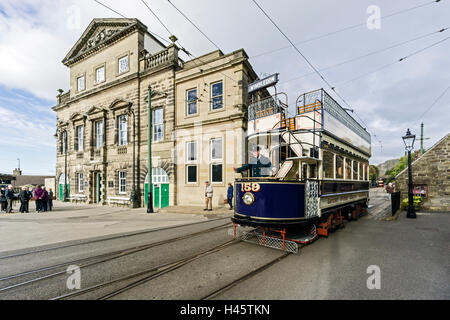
212	97
120	129
196	174
84	82
80	138
188	102
155	125
80	182
122	182
215	161
64	141
127	56
96	74
99	134
188	148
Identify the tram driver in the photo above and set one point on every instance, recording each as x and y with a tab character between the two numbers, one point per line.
259	166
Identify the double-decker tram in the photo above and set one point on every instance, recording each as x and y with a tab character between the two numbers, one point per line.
305	174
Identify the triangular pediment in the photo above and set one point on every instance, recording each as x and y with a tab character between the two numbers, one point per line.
99	33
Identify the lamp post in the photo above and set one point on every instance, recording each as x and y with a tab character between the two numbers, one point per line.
64	149
149	152
408	139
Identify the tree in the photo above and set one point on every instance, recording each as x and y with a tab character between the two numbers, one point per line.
374	173
402	164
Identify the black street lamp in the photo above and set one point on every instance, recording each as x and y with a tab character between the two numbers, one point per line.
408	139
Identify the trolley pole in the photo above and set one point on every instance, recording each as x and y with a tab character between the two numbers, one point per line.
149	154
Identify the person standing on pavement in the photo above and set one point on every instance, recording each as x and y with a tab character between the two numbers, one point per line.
9	194
38	197
24	197
44	200
208	196
50	199
3	199
230	195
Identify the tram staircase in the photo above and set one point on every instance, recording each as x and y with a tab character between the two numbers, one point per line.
288	125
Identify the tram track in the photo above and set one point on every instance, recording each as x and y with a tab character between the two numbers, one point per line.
20	254
97	259
148	274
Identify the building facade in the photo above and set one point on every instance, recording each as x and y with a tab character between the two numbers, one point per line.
430	176
102	120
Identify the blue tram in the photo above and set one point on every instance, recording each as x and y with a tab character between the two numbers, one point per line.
318	172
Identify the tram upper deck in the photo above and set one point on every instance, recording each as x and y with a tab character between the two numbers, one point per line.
322	141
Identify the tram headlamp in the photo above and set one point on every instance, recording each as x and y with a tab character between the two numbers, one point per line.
248	198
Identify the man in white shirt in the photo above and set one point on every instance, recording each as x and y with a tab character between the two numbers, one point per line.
208	196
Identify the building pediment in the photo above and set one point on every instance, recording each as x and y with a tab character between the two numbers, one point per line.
77	117
94	110
101	32
119	104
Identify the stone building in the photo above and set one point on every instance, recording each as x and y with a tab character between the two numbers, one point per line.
102	120
430	176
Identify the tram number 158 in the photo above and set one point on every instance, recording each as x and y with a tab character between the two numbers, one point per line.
247	187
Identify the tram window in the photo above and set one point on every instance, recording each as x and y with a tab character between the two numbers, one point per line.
355	170
313	171
328	164
339	167
348	169
304	171
360	171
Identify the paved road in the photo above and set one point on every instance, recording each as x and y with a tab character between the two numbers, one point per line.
412	256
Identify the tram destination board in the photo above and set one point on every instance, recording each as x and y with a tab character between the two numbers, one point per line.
263	83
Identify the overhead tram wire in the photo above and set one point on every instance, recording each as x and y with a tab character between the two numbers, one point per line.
204	34
309	62
366	55
394	62
433	104
118	13
345	29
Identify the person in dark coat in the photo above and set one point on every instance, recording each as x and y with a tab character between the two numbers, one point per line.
3	199
9	194
50	199
45	200
38	196
24	197
257	162
230	195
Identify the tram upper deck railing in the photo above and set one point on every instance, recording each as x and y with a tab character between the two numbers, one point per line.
267	106
318	99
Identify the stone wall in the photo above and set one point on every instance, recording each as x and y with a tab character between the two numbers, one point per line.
432	170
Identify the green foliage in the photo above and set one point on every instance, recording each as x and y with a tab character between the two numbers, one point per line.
402	164
374	173
417	200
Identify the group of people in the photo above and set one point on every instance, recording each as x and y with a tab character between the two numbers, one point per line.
42	198
209	194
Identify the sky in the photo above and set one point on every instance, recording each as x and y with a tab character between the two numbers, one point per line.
36	35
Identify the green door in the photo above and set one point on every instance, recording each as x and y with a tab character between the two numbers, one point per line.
156	197
160	188
164	195
99	193
61	192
